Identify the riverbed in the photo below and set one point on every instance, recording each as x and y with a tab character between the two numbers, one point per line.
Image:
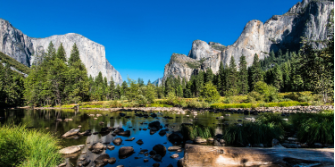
59	122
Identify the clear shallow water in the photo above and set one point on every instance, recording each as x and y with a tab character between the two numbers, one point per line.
45	120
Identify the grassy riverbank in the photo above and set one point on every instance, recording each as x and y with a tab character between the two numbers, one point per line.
27	148
309	128
239	101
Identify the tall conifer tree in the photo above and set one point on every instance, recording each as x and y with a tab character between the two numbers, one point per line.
244	85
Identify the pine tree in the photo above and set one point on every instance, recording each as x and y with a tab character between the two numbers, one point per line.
256	72
74	56
243	75
278	77
221	79
286	70
209	76
232	78
57	77
112	89
61	54
51	51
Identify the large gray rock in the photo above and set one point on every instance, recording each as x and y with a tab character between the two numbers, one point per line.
308	19
71	132
71	149
27	50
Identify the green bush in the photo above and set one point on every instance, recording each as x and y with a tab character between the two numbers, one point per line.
263	92
190	132
209	92
27	148
274	118
253	133
314	127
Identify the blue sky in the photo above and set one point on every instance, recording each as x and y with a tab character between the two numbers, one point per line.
141	35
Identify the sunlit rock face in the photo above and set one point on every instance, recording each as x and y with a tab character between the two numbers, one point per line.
25	50
307	18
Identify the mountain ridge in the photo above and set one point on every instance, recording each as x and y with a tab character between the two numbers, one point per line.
25	49
307	18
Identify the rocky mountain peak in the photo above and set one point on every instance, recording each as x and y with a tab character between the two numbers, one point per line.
308	18
26	49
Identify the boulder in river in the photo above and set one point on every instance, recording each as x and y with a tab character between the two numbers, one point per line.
117	141
160	149
174	148
130	139
139	142
199	140
174	156
111	147
162	132
125	152
101	160
71	132
97	146
155	124
112	160
175	137
71	149
124	133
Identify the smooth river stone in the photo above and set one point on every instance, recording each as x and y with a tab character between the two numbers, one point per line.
71	149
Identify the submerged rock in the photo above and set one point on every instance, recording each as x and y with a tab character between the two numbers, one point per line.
125	152
174	156
160	149
117	141
112	160
139	142
174	148
101	160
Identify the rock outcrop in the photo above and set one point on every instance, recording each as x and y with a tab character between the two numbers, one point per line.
307	18
157	82
25	50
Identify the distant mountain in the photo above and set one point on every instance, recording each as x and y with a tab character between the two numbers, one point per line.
308	18
25	49
157	82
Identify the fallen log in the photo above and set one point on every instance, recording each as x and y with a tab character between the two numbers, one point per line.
215	156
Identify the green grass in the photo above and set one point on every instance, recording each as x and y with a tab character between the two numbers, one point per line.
314	127
14	63
27	148
190	132
258	104
252	133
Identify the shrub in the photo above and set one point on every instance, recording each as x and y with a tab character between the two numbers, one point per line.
209	93
190	132
314	127
275	118
262	91
253	133
27	148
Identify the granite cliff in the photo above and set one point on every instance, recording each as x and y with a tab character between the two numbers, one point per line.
25	49
308	18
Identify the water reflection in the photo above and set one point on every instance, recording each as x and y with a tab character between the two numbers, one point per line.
61	121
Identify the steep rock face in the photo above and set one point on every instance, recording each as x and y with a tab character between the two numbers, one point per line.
307	18
14	43
23	48
91	54
157	82
180	65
